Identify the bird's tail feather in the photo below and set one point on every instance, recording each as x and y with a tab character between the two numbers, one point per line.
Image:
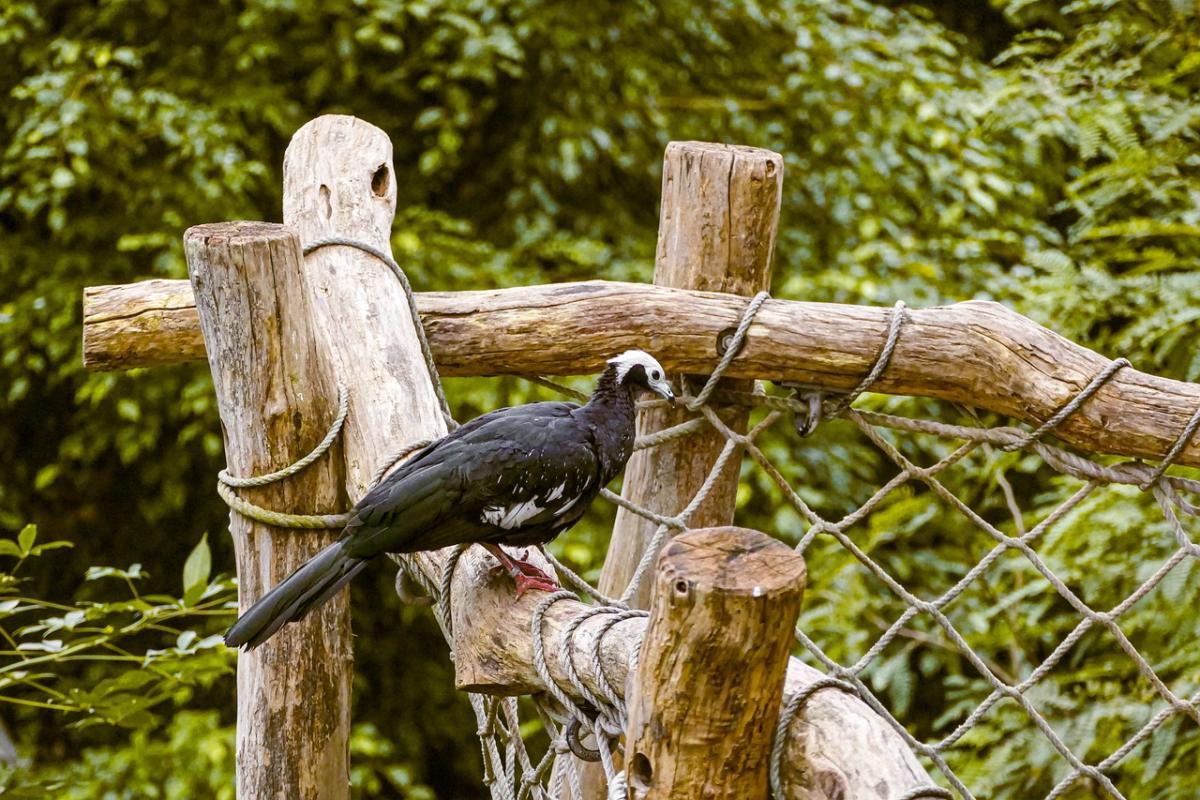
307	588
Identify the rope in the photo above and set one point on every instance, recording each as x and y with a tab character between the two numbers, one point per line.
816	410
571	709
226	483
426	351
733	345
1189	430
1074	404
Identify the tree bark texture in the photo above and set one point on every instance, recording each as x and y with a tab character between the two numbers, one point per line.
705	702
277	397
978	353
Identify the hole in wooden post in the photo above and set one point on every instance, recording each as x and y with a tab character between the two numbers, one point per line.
641	771
682	587
326	206
379	181
725	339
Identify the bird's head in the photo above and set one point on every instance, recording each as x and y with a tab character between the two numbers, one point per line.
637	369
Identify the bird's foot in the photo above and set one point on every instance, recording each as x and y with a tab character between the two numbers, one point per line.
541	582
531	570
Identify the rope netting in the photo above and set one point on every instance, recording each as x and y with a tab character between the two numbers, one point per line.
511	772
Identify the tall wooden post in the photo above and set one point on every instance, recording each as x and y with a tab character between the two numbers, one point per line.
277	396
705	699
338	180
716	232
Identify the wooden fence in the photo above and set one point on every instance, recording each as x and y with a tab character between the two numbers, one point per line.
280	330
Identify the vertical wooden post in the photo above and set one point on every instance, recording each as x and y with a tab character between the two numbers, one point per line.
338	180
277	397
706	696
716	232
719	218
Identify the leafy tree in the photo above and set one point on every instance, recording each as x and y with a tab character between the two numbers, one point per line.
1040	153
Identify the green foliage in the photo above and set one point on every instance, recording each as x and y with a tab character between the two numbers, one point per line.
1061	177
191	757
87	661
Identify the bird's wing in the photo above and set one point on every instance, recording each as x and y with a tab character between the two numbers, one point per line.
499	471
552	470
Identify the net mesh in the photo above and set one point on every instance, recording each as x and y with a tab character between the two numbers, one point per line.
512	772
1167	697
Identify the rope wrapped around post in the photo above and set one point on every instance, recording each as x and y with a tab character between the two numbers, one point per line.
604	713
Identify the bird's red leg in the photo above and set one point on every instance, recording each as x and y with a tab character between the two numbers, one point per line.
530	569
525	575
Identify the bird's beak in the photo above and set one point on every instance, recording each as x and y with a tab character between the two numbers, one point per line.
664	389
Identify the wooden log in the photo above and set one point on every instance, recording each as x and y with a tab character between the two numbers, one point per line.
838	747
716	232
978	353
277	396
338	181
826	739
705	700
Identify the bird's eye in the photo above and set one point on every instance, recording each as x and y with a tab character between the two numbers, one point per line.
656	375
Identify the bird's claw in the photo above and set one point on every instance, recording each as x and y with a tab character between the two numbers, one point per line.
542	582
532	570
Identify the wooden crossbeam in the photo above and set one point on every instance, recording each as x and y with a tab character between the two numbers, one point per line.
977	353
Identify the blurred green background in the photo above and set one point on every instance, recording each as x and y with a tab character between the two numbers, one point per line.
1043	154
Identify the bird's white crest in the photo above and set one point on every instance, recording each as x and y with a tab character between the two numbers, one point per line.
631	358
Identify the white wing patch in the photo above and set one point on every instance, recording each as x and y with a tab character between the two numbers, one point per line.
514	516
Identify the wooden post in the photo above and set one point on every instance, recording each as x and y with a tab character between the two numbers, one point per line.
338	180
706	696
716	232
720	214
277	397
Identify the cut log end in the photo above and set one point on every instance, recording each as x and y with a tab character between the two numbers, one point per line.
720	627
239	231
731	560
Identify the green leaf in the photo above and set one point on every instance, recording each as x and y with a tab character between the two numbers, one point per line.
9	548
196	570
133	573
41	548
46	476
27	537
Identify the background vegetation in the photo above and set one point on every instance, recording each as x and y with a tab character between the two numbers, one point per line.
1043	154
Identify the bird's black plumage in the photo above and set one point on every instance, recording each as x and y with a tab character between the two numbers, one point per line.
517	476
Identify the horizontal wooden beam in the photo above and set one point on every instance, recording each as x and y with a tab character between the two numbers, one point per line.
836	746
978	353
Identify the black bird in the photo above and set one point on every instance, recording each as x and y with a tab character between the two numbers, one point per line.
517	476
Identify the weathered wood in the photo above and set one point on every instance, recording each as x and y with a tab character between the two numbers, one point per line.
978	353
145	324
277	395
338	180
826	739
716	232
837	747
705	701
